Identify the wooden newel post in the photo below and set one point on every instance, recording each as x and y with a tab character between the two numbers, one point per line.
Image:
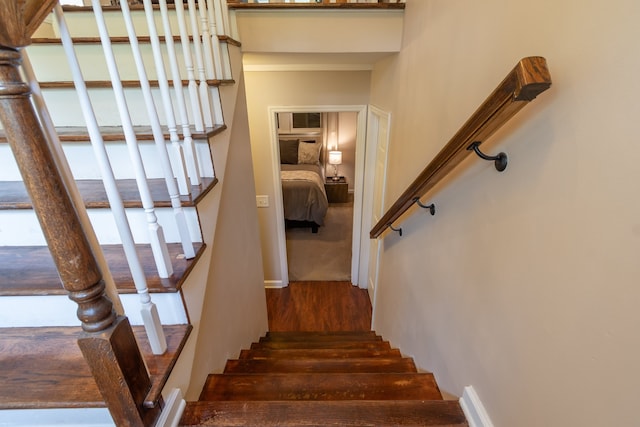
107	341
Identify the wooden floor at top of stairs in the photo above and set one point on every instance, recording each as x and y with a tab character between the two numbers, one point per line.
29	270
13	194
319	306
116	133
44	368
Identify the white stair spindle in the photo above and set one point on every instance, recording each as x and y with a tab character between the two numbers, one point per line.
158	136
222	25
215	41
152	324
54	144
158	244
188	61
205	94
226	27
189	148
206	40
167	103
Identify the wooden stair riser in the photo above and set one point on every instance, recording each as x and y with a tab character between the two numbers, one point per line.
326	413
362	365
317	353
319	337
320	387
284	345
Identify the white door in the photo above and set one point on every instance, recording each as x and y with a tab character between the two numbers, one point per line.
379	128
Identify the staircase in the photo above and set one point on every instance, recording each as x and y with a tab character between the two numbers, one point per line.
321	379
45	379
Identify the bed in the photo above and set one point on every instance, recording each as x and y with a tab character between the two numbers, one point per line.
303	194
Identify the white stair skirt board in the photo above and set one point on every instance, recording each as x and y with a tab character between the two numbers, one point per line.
173	409
21	227
59	310
78	417
473	409
274	284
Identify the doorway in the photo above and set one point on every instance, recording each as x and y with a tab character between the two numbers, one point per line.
355	197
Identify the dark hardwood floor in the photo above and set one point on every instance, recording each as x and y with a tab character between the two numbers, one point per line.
319	306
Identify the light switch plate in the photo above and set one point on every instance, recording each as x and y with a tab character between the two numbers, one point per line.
262	201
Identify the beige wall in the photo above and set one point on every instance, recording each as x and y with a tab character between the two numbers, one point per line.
525	283
265	89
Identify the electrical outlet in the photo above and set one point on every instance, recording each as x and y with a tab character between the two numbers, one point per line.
262	201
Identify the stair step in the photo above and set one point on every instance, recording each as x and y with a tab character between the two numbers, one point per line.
115	133
44	368
283	345
320	387
13	194
320	336
353	365
318	353
29	270
324	413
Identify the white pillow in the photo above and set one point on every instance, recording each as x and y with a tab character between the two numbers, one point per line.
309	153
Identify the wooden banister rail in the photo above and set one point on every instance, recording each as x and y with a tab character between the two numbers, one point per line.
528	79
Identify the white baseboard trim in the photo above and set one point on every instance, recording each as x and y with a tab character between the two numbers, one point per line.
473	409
274	284
173	409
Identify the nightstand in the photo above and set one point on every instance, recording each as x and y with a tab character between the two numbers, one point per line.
337	191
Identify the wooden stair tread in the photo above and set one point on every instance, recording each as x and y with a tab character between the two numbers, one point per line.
101	84
385	386
324	413
353	365
302	353
13	194
380	345
320	336
44	368
29	270
115	133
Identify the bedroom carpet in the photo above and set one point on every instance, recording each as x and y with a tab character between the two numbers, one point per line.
325	255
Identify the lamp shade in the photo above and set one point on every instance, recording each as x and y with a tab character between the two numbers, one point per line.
335	157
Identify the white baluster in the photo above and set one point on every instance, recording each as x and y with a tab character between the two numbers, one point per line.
149	312
205	95
189	147
215	41
222	25
158	136
180	167
158	244
188	61
206	40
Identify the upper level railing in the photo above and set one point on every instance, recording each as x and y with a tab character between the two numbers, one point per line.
333	4
524	83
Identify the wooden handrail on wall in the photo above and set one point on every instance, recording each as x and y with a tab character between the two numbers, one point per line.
528	79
